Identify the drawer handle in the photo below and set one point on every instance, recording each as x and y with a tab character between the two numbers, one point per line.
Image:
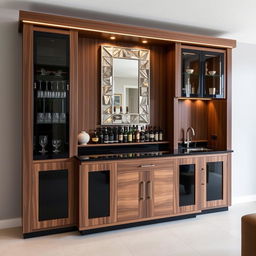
149	190
147	165
142	190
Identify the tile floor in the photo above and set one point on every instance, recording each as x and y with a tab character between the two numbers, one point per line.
215	234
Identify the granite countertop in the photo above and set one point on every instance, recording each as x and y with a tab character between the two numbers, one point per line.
131	155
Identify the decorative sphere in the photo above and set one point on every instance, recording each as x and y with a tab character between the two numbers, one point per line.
83	138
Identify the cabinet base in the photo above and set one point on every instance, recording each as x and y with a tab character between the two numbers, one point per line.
222	209
49	232
136	224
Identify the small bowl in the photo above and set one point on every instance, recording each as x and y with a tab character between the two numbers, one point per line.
212	73
189	71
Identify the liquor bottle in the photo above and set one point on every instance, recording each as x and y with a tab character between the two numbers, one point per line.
101	136
125	135
130	134
161	135
147	134
142	134
106	138
156	133
95	137
137	134
121	135
133	133
115	135
110	135
151	135
121	110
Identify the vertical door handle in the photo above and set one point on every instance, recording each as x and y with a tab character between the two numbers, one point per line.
142	190
202	177
149	190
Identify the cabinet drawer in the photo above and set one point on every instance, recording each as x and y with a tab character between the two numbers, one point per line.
145	165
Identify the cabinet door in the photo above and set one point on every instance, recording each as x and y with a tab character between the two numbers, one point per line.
131	195
97	195
53	195
215	182
160	191
188	184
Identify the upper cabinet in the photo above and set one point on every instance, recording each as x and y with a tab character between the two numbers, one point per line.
51	68
202	73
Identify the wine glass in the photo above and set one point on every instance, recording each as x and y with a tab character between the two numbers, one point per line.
56	144
43	140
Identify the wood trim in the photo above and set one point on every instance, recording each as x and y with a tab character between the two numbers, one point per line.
70	221
27	129
229	97
51	30
121	29
73	127
205	49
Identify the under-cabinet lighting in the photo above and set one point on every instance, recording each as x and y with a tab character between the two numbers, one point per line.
186	98
118	33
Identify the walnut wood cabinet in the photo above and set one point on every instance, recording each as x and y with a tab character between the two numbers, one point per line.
52	196
145	189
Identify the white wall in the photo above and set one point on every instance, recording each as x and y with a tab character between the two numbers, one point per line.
244	120
244	117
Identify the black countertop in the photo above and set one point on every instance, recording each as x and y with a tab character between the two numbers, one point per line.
122	156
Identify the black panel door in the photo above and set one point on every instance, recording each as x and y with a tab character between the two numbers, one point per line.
187	184
99	194
214	181
53	195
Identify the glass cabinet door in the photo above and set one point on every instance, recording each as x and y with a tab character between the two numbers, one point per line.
213	75
51	96
187	178
191	70
214	181
202	74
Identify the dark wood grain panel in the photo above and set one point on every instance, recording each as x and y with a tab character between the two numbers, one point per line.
122	29
89	84
73	93
27	129
192	113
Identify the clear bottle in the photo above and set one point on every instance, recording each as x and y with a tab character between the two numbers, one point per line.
137	134
156	133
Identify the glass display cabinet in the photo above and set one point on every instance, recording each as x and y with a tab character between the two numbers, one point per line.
202	74
51	96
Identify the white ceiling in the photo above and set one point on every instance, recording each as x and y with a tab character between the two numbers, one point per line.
234	19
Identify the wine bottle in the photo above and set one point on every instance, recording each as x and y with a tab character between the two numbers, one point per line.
106	138
133	133
130	134
137	134
125	135
142	134
110	135
115	135
161	135
147	134
156	134
151	135
101	136
95	137
121	135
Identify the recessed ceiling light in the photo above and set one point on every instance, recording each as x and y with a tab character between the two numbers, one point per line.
112	37
144	41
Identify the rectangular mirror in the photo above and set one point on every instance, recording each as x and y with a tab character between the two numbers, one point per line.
125	80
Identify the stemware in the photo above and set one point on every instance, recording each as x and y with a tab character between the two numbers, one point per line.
56	144
40	117
43	140
55	118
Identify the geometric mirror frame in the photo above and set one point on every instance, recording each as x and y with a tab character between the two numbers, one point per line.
109	99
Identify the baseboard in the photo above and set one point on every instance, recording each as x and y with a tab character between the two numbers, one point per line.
244	199
10	223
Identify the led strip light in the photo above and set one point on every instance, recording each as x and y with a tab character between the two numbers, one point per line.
117	33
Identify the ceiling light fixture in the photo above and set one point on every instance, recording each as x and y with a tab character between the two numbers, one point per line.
112	37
